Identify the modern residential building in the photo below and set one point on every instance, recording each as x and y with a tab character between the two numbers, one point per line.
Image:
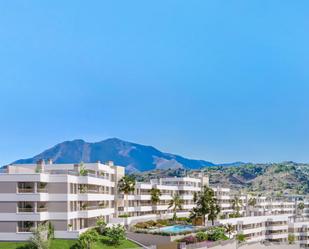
73	196
70	196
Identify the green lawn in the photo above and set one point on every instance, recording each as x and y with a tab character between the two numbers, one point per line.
68	244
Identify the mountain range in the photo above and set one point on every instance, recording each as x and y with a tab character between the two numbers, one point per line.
135	157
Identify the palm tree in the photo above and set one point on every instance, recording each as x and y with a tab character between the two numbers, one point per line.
301	207
206	204
214	210
176	204
155	195
126	185
252	202
236	205
229	229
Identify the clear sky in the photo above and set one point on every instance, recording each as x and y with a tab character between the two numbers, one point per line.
217	80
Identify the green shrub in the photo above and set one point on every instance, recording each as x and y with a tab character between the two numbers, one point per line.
216	233
123	216
142	225
240	237
201	236
88	238
163	222
151	223
116	233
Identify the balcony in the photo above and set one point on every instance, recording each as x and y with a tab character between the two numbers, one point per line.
25	190
24	229
42	209
26	187
25	209
42	190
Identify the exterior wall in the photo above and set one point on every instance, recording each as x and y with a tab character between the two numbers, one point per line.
46	195
8	226
57	206
8	187
60	225
57	188
66	197
8	207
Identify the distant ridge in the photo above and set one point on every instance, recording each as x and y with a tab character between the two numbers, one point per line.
135	157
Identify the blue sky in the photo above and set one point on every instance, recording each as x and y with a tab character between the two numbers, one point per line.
217	80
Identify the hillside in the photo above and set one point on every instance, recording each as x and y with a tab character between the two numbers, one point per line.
273	179
135	157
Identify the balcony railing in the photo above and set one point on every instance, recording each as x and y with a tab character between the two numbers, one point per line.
25	190
92	191
26	210
24	229
42	190
42	209
91	208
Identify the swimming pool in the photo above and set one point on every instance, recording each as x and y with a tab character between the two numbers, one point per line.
176	229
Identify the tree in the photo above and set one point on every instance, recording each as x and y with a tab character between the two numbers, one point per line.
236	205
101	224
291	238
39	239
301	206
51	231
116	233
229	229
252	202
206	204
88	238
82	170
176	204
126	185
155	195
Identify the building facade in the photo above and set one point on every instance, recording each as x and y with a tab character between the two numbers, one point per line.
72	197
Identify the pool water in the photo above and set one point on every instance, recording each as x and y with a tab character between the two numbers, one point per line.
176	228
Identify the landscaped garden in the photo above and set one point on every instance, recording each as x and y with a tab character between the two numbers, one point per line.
102	237
70	244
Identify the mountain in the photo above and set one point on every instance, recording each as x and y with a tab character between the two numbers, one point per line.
135	157
270	179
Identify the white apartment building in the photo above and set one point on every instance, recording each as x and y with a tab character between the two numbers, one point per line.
70	196
73	196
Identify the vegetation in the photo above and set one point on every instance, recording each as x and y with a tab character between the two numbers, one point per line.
116	234
176	204
123	215
82	170
201	236
101	225
39	239
240	237
273	178
252	202
229	229
87	239
300	206
236	205
291	238
126	185
216	233
155	195
206	204
212	234
102	243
